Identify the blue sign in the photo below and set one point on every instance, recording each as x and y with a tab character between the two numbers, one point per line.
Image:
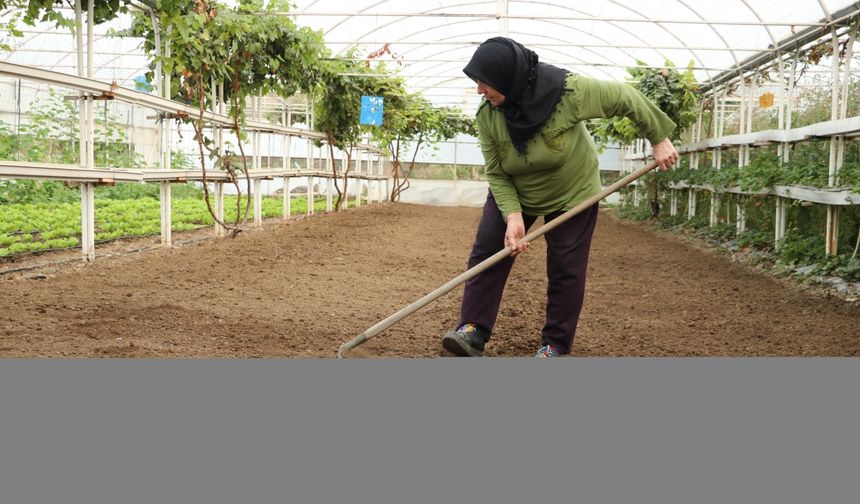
371	110
142	84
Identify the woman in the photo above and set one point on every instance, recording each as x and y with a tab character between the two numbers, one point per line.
541	161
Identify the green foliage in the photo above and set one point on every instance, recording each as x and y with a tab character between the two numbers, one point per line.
415	124
755	239
675	93
633	212
35	191
849	269
697	222
798	248
807	166
32	12
49	133
249	48
668	221
763	172
37	227
339	93
722	231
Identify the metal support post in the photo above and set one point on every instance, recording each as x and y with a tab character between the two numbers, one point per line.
258	202
743	151
714	216
310	196
288	161
88	221
673	209
166	215
779	226
836	143
219	208
691	204
287	198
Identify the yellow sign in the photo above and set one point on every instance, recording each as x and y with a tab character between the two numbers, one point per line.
765	100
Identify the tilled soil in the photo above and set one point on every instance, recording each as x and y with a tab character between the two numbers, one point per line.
303	287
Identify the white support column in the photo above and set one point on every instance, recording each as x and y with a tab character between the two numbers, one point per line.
714	216
257	103
221	111
741	224
357	185
779	227
91	120
91	128
269	150
329	194
386	171
288	160
310	195
166	215
789	107
370	184
165	141
673	209
716	160
166	131
836	144
219	208
288	200
258	201
743	151
88	221
82	102
691	204
387	188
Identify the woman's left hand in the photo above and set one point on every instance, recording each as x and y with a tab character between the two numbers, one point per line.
665	154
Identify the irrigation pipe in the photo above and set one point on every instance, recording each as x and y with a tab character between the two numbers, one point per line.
490	261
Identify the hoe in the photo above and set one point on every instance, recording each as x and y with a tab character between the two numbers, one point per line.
487	263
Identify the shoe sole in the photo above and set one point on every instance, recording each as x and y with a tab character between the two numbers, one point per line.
454	345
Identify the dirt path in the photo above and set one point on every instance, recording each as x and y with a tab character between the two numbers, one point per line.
301	288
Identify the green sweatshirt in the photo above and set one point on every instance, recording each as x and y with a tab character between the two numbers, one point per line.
559	169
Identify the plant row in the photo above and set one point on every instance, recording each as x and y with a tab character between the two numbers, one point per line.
802	246
31	227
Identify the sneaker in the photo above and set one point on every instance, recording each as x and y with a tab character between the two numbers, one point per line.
467	341
547	351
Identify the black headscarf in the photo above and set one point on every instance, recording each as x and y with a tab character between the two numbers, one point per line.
531	89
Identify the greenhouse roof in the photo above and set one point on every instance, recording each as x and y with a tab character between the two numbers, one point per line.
432	41
429	42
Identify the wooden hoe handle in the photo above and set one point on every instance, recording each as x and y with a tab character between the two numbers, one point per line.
487	263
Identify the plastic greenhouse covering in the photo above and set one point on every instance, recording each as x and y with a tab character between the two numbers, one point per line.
429	42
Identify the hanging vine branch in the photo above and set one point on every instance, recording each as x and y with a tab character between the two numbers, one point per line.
246	50
676	93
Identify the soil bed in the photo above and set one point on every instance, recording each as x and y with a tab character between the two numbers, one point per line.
303	287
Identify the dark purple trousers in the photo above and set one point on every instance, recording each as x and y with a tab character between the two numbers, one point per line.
566	260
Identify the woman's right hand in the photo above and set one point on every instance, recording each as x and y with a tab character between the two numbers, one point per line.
516	231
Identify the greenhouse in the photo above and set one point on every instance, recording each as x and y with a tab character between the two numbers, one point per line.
167	165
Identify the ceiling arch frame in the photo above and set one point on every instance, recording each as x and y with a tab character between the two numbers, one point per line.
544	19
